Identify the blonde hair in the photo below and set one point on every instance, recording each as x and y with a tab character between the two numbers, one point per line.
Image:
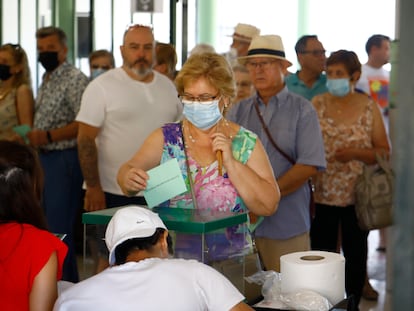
20	58
211	66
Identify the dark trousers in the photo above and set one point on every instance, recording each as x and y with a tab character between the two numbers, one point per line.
324	236
62	199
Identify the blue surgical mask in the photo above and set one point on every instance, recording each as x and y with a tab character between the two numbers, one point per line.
204	115
338	87
97	72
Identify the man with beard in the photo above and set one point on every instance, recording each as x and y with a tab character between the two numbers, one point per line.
119	109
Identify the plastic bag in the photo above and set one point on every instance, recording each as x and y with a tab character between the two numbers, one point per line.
304	300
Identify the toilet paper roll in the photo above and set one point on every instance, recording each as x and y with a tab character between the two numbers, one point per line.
322	272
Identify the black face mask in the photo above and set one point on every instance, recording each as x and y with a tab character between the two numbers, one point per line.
5	72
49	60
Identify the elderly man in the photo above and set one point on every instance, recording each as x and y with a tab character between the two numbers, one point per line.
242	37
310	79
143	278
119	110
290	120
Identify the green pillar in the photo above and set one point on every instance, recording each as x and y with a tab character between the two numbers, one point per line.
206	21
303	21
64	17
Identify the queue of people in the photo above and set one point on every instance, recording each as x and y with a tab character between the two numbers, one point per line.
256	156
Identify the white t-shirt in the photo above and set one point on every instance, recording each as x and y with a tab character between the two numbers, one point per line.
374	82
152	285
126	111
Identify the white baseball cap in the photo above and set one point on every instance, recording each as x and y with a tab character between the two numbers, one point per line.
128	223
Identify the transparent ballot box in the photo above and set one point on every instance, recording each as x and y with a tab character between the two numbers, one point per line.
219	239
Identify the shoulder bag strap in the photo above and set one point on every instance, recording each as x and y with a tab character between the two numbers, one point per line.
269	136
310	184
190	178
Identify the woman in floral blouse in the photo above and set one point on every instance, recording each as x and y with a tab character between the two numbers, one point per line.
353	132
229	167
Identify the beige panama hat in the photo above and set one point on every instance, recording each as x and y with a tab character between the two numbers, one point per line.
245	32
265	46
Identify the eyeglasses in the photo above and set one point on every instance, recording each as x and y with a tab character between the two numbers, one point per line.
15	46
100	67
315	52
264	64
204	98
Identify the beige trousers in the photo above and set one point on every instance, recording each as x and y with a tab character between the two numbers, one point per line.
271	250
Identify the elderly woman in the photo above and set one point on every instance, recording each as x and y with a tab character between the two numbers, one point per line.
229	168
353	132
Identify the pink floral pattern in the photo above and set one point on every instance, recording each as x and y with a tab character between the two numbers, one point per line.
212	192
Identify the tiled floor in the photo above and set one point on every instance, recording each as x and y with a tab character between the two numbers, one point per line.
377	264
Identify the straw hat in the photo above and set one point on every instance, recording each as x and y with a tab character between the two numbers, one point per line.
245	32
265	46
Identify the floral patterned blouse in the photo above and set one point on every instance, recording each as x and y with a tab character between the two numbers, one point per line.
58	102
335	186
212	191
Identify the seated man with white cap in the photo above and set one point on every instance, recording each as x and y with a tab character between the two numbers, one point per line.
242	37
141	276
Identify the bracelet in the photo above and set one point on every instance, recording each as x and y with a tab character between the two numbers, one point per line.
49	137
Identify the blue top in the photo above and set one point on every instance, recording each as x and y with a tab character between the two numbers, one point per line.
294	125
297	86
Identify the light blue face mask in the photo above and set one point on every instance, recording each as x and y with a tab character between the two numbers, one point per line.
202	116
97	72
338	87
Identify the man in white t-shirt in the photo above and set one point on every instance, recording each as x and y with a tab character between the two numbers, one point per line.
141	276
374	78
119	109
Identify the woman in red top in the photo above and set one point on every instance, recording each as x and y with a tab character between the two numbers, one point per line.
31	258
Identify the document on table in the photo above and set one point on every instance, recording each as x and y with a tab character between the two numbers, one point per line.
165	182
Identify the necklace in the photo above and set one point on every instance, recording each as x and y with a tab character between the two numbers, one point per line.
3	94
223	124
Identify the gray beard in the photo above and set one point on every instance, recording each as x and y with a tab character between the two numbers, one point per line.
142	72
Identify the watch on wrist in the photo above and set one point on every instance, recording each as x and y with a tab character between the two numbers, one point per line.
49	137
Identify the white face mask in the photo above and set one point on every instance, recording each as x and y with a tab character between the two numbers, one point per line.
204	115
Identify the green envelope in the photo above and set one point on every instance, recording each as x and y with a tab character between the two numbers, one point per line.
22	131
165	182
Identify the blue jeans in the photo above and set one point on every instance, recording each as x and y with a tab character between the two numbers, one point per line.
62	198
